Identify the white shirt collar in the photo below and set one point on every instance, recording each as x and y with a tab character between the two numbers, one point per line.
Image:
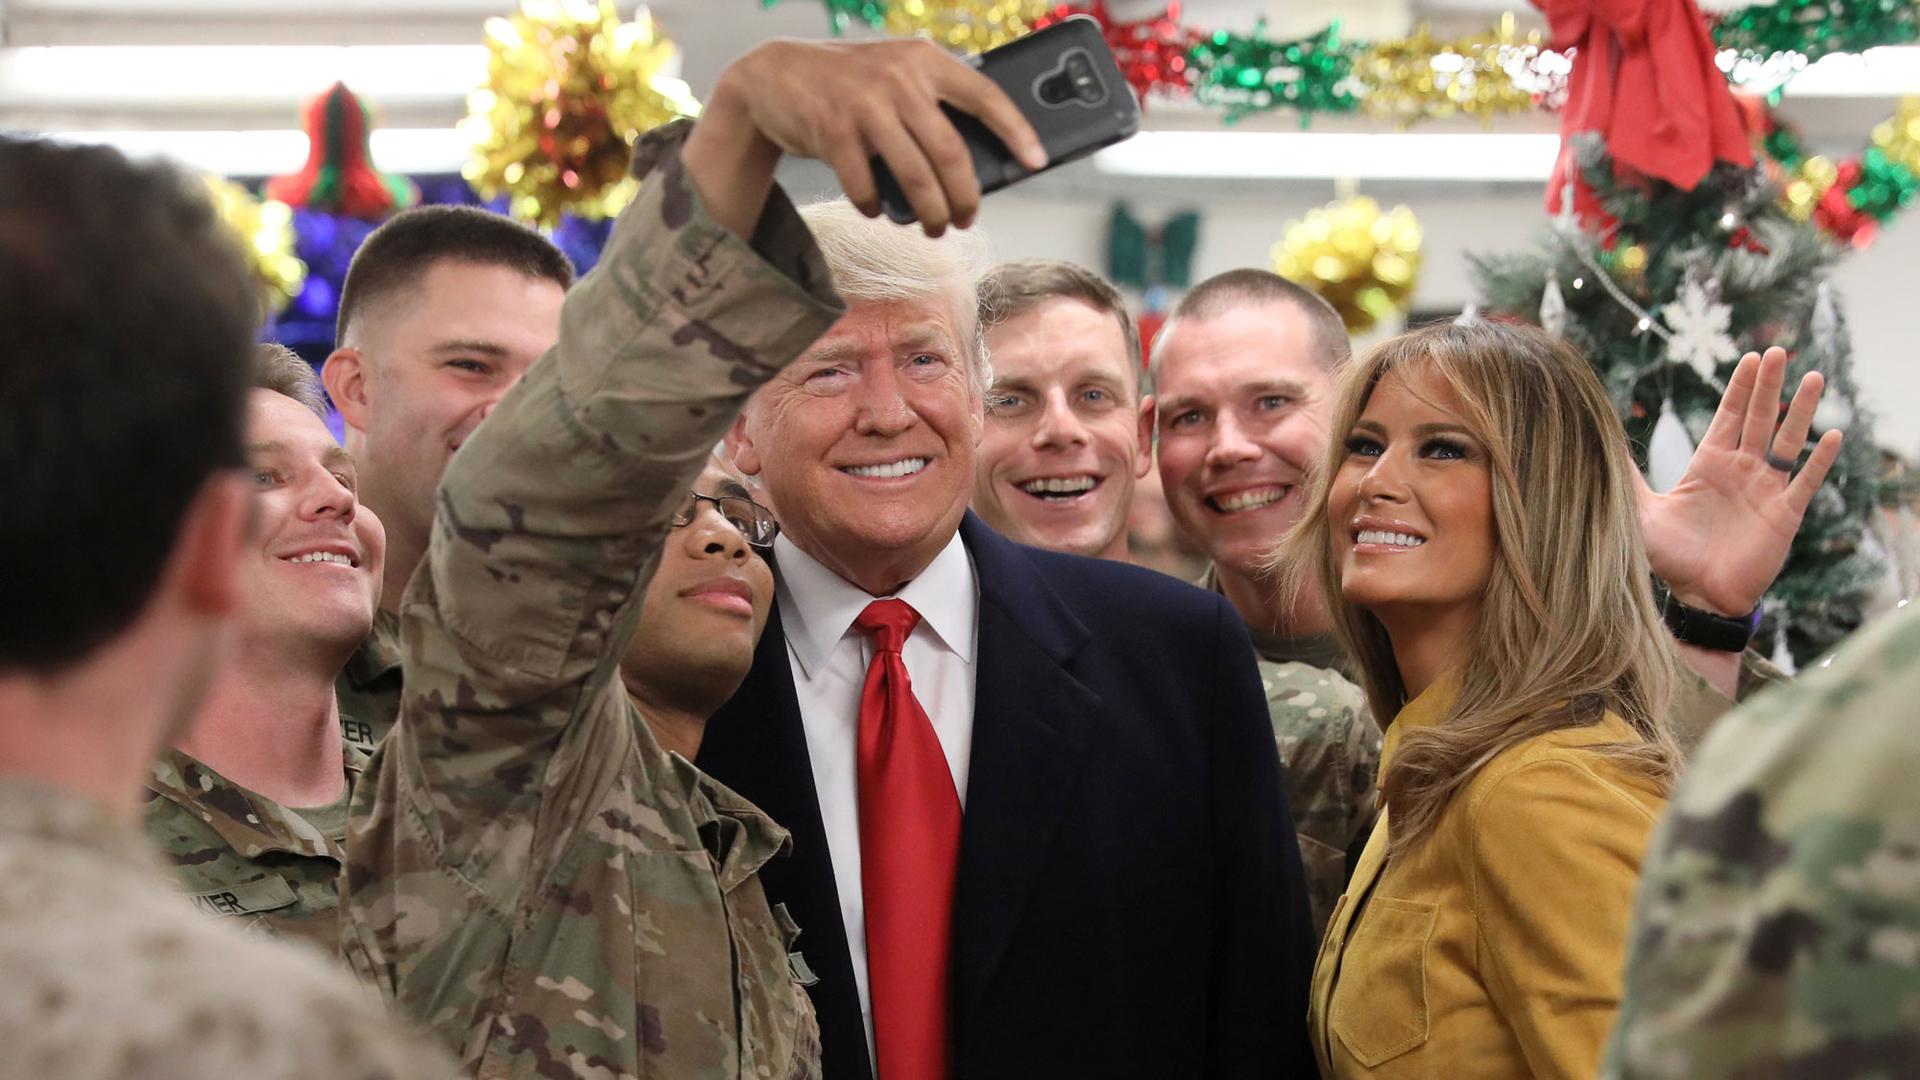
818	606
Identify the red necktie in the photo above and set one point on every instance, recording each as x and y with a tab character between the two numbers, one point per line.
909	842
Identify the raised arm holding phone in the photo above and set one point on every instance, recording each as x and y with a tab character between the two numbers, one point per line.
531	875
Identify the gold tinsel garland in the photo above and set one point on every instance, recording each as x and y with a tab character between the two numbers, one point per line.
569	87
969	25
1363	261
265	231
1419	78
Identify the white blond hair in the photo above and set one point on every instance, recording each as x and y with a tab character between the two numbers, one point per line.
873	259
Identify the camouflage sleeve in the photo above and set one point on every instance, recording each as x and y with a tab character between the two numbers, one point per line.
1698	704
1330	748
1778	927
552	515
1556	852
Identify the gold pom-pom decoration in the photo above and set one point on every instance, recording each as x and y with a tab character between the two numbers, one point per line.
1418	78
569	87
265	231
1362	260
968	25
1808	185
1898	136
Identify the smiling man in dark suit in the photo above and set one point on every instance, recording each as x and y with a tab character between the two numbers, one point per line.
1038	819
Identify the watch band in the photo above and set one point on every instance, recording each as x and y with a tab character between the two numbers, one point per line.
1707	630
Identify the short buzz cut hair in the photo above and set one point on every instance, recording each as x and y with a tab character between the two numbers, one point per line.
279	369
1012	289
123	382
1232	290
398	254
876	260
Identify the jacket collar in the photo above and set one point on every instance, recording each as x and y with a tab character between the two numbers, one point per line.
252	823
378	657
1429	709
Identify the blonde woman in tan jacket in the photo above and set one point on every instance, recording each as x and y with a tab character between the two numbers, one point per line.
1475	531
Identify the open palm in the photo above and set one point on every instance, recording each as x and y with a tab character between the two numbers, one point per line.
1720	537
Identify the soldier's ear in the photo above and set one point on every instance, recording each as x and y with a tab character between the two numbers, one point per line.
345	377
740	446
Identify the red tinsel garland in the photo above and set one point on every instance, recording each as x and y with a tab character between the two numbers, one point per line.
1152	53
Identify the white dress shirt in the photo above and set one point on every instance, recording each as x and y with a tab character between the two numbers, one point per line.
829	658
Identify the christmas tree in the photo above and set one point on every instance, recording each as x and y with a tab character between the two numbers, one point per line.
1663	298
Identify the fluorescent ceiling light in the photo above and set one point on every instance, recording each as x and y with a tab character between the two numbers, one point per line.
121	75
1315	155
269	153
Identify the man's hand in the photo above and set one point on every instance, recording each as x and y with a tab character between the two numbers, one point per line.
1719	538
840	102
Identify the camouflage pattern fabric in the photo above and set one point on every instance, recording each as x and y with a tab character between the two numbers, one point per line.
530	875
1698	704
241	856
1778	927
110	974
1331	751
368	688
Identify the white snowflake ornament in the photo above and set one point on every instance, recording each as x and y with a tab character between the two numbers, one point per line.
1699	323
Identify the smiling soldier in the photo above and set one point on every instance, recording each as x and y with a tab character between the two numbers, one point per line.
1067	430
250	803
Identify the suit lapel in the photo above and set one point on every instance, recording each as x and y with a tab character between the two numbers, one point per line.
757	746
1032	718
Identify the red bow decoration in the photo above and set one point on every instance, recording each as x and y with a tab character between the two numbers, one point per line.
1645	79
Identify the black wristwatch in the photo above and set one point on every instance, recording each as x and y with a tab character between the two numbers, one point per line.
1706	629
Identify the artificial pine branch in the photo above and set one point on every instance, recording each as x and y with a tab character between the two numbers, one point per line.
1769	278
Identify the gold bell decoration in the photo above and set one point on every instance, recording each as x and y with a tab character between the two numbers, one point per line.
265	231
1363	261
569	87
968	25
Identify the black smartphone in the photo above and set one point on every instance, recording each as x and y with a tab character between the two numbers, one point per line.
1065	81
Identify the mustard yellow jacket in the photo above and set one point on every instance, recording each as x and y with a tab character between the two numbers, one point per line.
1494	948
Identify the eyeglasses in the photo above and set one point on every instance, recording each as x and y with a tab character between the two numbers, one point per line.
753	521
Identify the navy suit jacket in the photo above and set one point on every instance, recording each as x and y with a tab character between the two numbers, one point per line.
1129	901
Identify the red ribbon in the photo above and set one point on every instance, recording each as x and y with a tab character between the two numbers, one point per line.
1645	80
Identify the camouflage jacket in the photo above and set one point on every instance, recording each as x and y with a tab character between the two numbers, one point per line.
368	688
1778	927
530	875
110	974
1330	748
239	854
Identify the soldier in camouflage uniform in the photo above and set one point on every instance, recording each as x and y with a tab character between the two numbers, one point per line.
442	310
240	850
369	686
1327	741
1331	748
1778	926
242	856
530	874
124	554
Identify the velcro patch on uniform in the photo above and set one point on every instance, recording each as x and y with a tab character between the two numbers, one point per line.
247	898
802	971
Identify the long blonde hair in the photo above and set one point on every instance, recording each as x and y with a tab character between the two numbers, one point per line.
1568	627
